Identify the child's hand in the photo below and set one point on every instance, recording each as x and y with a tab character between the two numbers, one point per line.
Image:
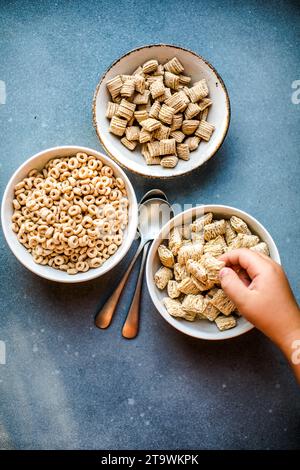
259	288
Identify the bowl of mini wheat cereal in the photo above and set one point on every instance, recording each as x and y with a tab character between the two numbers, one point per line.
183	269
161	111
69	214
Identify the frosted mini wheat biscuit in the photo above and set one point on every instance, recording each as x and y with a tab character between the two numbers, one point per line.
171	80
162	277
230	233
198	224
154	110
117	126
261	248
176	121
191	251
175	309
212	267
180	272
189	126
173	291
167	147
130	144
142	98
222	302
128	88
132	133
114	86
183	150
197	270
166	114
192	142
204	130
193	303
169	162
154	149
111	109
198	91
144	136
166	256
216	247
150	66
163	132
174	66
125	110
178	136
243	240
239	225
187	286
225	323
157	88
210	311
214	229
192	110
175	241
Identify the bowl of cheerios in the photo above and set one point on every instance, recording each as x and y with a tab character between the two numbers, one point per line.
69	214
161	111
184	263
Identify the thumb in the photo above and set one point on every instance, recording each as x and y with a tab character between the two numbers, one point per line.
233	287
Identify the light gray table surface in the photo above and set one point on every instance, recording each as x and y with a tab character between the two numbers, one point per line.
69	385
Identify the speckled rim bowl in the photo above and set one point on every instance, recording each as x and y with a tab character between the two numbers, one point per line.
38	161
202	329
198	68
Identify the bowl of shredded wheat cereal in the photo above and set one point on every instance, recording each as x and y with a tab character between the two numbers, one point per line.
184	263
161	111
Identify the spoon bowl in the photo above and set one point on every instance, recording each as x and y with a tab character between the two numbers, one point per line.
154	213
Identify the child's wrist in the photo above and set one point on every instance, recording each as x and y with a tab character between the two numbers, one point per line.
290	345
286	339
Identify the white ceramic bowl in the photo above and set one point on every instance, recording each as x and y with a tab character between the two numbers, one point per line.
202	328
197	68
38	161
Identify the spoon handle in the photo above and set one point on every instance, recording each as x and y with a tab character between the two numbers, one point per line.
131	325
104	316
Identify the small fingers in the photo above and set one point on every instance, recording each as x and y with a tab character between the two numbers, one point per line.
234	287
252	262
243	275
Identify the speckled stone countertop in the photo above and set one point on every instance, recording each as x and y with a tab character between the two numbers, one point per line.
69	385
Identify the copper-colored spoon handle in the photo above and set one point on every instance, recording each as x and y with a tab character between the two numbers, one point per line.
131	325
104	317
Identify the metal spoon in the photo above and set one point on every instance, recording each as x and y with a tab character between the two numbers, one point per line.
104	317
154	213
153	193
